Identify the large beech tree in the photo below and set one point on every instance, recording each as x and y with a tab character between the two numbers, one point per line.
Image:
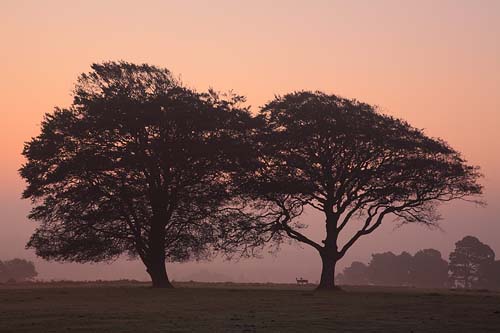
356	166
138	164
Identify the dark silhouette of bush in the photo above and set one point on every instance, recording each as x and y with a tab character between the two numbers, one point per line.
428	269
355	274
17	270
491	275
389	269
3	272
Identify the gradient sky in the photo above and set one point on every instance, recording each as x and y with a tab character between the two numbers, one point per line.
433	63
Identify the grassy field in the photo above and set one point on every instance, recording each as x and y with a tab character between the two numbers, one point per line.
134	307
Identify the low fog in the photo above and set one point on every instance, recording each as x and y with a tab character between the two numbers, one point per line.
290	262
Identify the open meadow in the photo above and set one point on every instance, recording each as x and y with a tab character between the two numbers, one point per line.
227	307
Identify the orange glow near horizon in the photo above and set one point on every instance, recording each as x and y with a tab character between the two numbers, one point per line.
434	64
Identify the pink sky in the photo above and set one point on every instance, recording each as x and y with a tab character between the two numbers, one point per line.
433	63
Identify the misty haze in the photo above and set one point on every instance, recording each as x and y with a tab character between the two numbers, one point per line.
250	167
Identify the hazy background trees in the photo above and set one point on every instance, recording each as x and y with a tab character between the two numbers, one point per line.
355	274
390	269
471	265
428	269
17	270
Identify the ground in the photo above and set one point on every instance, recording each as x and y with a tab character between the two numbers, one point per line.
194	307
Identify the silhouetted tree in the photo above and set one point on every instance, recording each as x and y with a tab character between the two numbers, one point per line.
389	269
356	274
139	165
467	262
428	269
17	270
351	163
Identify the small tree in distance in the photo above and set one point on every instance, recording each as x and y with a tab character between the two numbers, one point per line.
355	274
468	262
354	165
17	270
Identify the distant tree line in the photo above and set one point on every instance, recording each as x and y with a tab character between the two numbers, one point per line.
17	270
141	165
471	265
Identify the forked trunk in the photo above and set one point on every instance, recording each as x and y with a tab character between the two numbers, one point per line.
327	281
329	254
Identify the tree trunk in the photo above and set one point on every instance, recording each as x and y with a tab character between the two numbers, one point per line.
158	272
329	254
327	281
156	258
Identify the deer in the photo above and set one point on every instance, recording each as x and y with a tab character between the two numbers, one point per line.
301	281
